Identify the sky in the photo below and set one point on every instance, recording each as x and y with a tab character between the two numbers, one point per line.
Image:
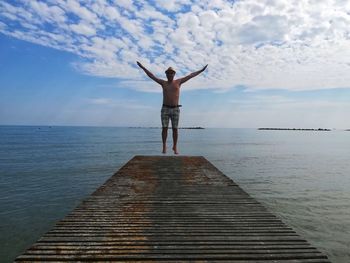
271	63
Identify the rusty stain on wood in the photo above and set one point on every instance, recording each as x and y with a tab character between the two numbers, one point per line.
158	208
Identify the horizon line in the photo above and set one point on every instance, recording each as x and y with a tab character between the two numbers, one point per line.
159	127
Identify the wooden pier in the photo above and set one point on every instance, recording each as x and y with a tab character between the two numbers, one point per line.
158	208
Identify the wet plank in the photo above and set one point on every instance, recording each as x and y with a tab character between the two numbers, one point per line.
166	209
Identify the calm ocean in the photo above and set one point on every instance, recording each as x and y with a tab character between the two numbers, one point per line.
301	176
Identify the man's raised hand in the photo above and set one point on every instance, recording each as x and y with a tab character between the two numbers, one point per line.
139	64
204	68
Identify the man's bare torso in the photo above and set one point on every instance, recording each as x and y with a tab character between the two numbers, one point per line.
171	92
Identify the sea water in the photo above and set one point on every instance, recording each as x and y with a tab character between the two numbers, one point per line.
301	176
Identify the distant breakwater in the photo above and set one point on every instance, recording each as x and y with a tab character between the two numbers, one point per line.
293	129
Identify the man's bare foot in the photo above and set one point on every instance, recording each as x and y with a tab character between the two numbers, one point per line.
175	150
164	150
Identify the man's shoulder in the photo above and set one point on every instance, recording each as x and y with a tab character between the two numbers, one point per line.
178	81
161	81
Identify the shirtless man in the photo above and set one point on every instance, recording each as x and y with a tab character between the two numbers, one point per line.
171	94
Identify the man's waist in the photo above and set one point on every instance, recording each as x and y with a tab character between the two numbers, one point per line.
171	106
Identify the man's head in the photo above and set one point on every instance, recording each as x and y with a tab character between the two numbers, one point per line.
170	73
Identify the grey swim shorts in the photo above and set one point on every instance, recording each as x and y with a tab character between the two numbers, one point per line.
170	113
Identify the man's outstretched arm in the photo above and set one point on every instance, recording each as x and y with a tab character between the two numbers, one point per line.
193	74
150	74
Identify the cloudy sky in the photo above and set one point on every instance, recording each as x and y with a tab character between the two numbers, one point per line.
280	63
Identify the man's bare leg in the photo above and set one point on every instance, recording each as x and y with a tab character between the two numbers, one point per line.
164	136
175	135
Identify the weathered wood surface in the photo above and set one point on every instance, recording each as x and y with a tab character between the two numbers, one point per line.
171	209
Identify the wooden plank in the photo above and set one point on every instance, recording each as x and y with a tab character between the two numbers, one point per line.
175	256
158	208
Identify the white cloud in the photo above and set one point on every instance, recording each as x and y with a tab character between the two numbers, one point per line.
263	29
9	16
171	5
125	3
83	29
83	12
3	26
296	45
106	69
112	13
48	13
100	101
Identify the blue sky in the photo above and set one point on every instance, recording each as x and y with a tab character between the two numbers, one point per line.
271	63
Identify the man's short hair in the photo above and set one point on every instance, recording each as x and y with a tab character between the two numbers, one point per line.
170	69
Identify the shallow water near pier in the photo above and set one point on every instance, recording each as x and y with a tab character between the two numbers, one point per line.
301	176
